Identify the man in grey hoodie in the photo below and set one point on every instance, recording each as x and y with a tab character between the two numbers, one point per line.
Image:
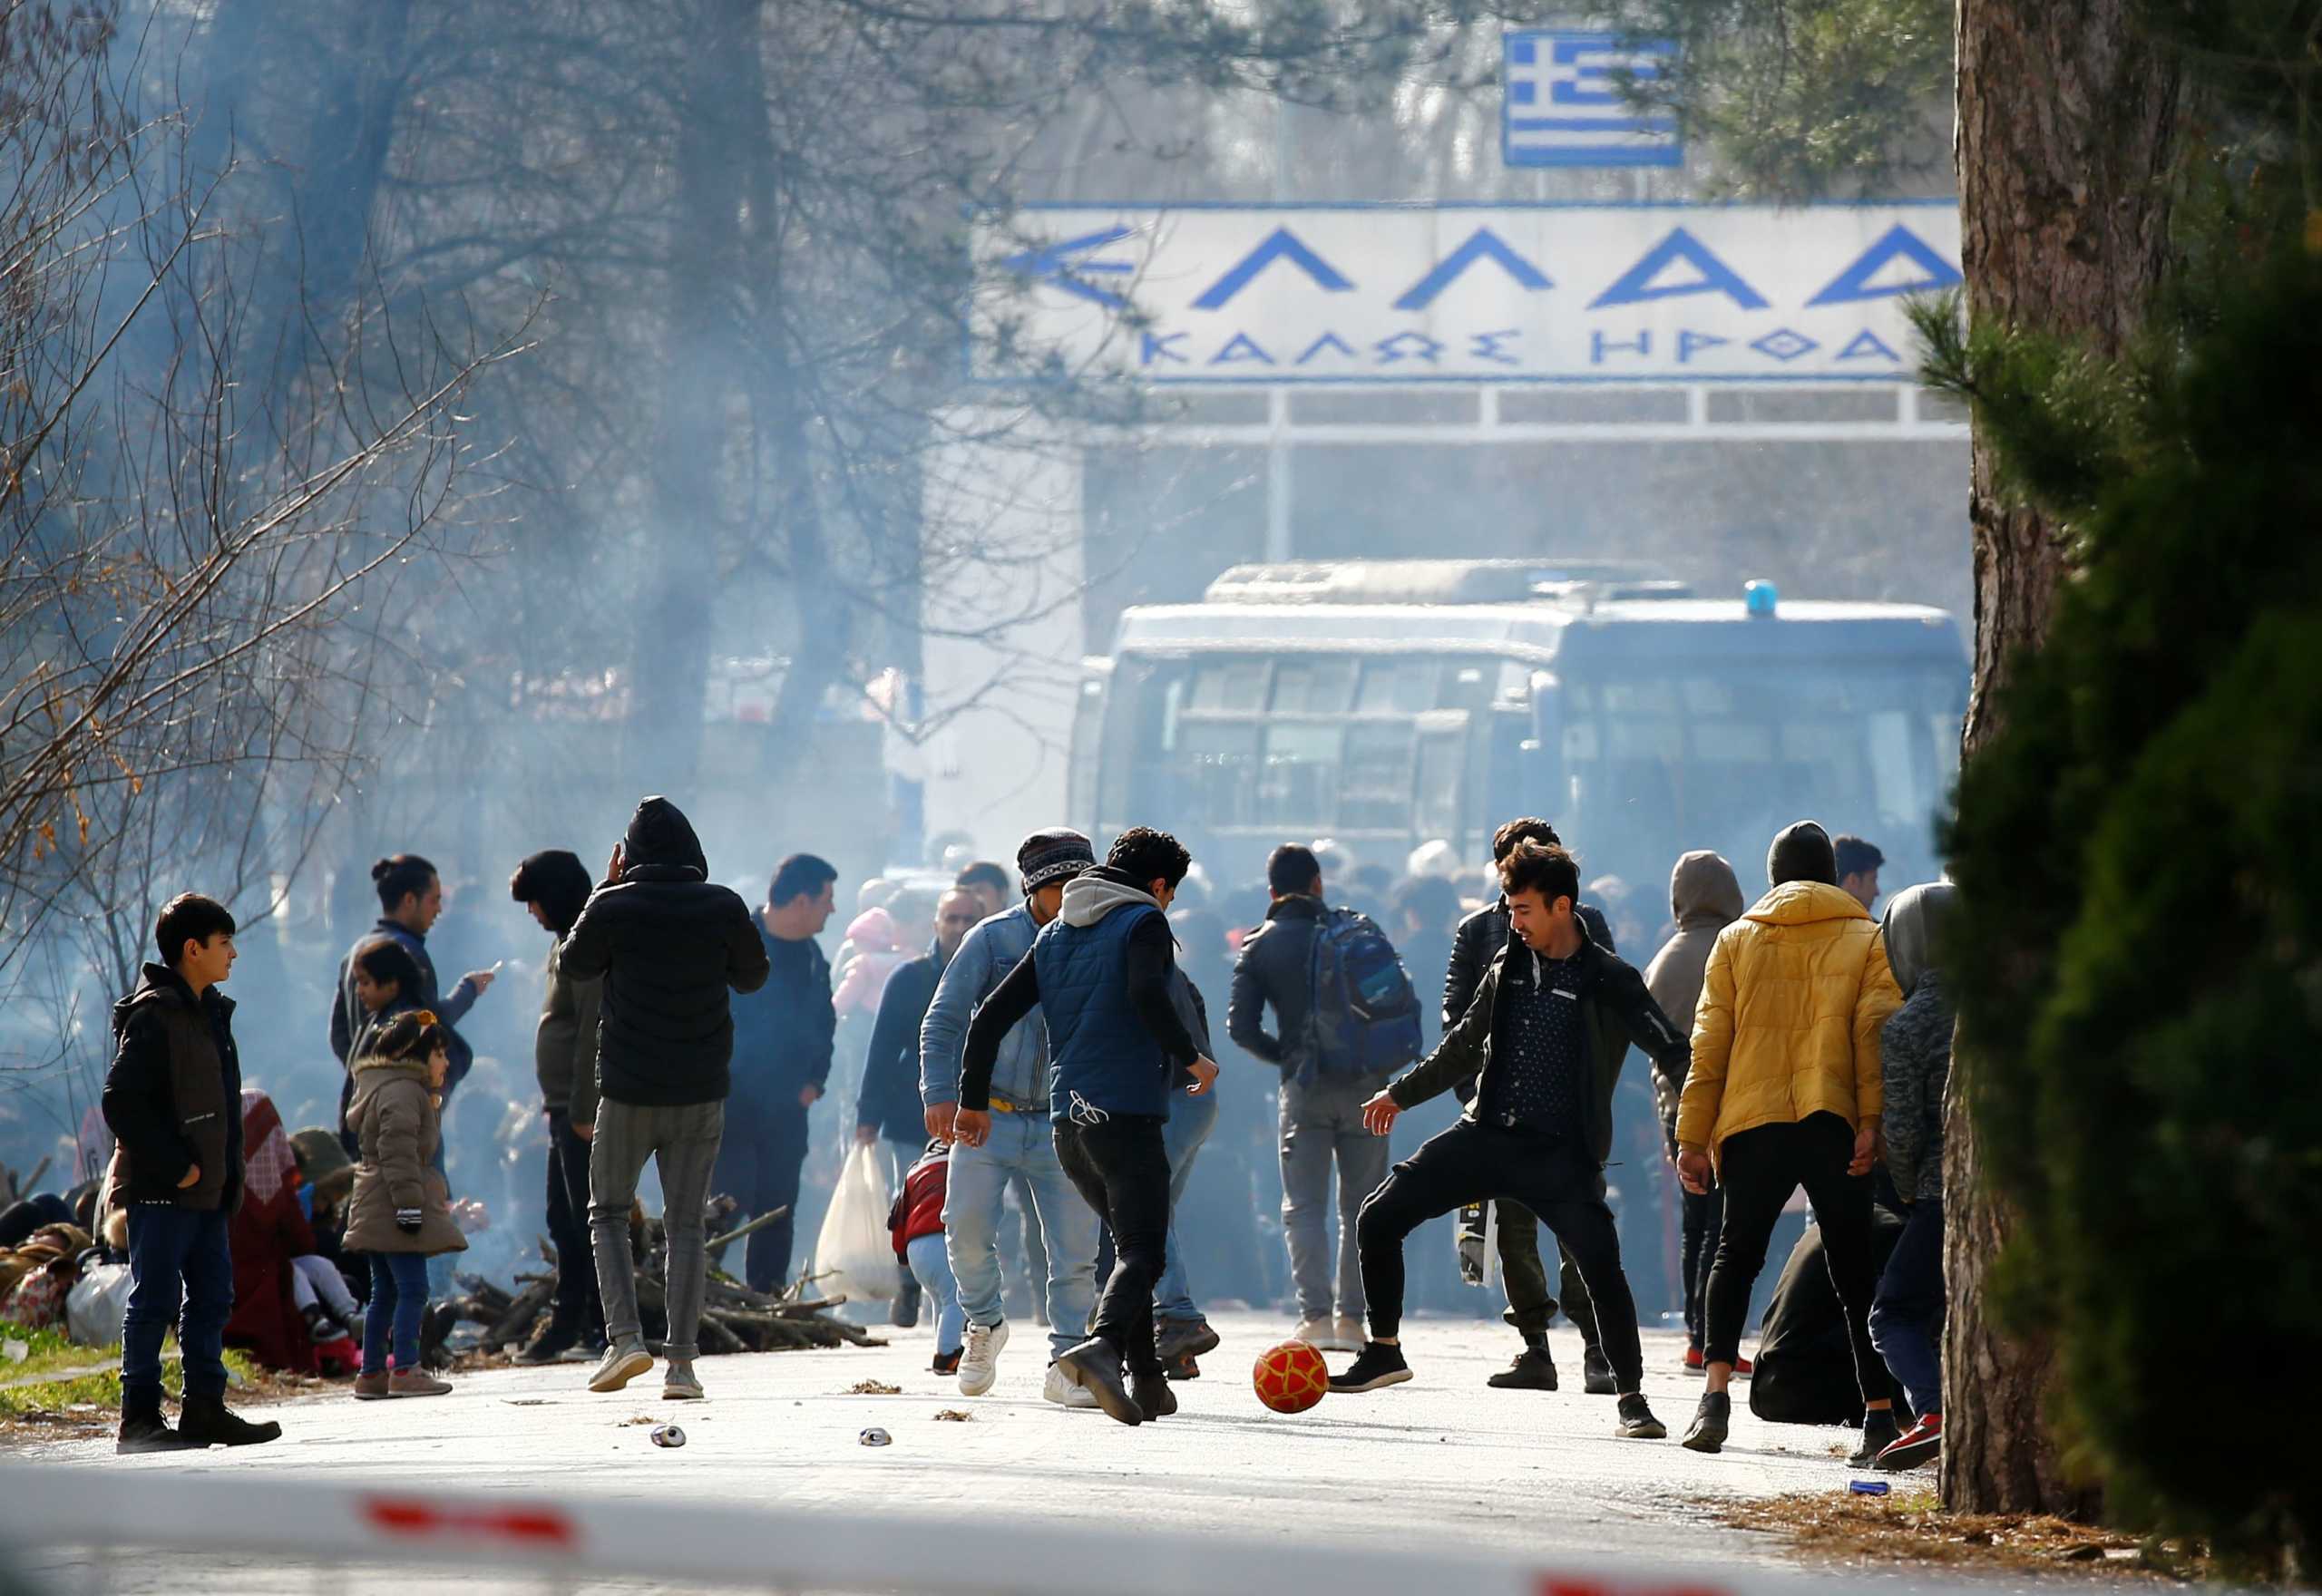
1704	898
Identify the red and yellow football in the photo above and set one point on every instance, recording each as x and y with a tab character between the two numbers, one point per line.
1291	1377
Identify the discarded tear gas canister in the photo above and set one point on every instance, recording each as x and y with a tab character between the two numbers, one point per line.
666	1435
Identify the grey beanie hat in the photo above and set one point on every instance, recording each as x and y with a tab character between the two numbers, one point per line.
1053	855
1802	853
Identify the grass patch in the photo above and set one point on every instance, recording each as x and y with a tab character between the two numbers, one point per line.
95	1394
1909	1527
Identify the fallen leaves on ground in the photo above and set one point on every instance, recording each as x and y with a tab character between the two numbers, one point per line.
1910	1526
956	1415
873	1389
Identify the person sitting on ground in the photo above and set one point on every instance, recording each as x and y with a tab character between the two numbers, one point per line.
172	1098
270	1236
916	1222
400	1212
1543	1042
1784	1091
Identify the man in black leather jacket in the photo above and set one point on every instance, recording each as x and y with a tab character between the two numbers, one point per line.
1530	1304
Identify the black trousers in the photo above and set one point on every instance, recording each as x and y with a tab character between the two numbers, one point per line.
758	1165
1561	1187
1705	1217
1530	1304
1122	1168
1759	1168
578	1304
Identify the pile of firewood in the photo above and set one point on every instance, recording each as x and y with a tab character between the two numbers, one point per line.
734	1318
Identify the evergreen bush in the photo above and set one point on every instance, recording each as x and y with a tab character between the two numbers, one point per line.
2138	941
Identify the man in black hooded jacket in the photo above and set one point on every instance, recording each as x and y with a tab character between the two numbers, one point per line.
669	945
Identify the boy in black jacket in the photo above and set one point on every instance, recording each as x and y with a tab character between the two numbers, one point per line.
1543	1042
173	1098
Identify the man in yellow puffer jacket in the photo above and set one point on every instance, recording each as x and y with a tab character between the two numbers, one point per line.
1784	1092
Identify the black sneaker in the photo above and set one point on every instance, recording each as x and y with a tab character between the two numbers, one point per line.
1533	1370
1187	1367
946	1363
1879	1431
1707	1433
1183	1338
1596	1374
1637	1423
1376	1367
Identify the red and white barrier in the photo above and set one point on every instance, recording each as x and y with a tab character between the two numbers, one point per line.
288	1521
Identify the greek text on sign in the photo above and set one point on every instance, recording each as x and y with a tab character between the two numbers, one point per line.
1561	103
1417	294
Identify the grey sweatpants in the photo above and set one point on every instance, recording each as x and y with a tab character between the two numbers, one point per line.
683	1141
1322	1124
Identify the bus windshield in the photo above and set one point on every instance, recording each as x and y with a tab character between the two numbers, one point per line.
1667	759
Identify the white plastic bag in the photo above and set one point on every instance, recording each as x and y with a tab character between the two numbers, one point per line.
96	1304
856	1254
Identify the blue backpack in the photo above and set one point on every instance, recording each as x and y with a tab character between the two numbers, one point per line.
1364	1016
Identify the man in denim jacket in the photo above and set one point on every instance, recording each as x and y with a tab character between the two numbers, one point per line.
1021	1143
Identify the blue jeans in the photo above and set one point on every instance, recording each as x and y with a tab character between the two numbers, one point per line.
177	1256
398	1298
931	1266
1191	1119
1906	1314
1021	1144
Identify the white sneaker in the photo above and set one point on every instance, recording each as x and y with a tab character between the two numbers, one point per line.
1318	1333
1346	1335
980	1358
1065	1391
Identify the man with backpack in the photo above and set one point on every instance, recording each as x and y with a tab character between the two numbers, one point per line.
1345	1020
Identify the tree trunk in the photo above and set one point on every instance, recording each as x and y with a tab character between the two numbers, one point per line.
2067	117
674	634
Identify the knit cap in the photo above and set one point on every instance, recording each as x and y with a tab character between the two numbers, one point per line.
1053	855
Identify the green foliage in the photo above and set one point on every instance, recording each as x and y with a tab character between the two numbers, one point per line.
1805	98
2139	946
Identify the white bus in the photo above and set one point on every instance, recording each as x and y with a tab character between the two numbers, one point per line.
1387	703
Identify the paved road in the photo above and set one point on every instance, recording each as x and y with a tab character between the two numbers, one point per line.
1442	1461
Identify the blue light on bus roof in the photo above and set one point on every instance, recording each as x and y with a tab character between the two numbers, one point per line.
1758	598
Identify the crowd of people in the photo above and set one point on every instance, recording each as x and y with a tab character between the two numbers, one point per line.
1050	1045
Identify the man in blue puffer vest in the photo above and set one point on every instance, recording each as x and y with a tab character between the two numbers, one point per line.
1102	974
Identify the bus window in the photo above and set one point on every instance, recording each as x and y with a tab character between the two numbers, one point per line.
1298	783
1218	763
1228	687
1375	781
1312	686
1398	687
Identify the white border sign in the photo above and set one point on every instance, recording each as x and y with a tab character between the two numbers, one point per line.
1395	294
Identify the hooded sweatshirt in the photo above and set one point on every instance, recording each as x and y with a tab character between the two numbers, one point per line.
1103	974
1914	1048
669	945
1704	898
